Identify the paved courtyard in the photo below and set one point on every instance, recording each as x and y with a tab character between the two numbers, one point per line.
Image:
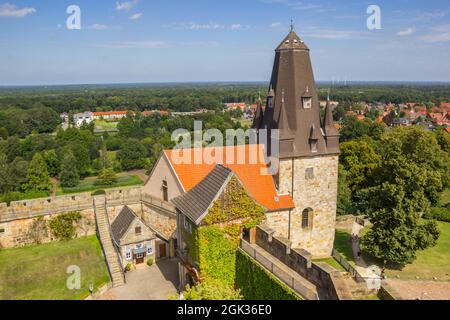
423	290
147	283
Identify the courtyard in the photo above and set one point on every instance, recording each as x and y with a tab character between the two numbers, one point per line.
157	282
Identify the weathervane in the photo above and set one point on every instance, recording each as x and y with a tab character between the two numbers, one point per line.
292	25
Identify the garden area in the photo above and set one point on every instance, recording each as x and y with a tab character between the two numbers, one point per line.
39	272
431	263
90	184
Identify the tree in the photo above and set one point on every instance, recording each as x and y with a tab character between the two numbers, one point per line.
344	202
212	289
132	155
412	172
359	159
68	175
5	178
107	177
355	129
38	178
53	163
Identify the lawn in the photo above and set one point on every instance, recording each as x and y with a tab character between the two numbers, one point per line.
39	272
87	185
105	125
332	262
445	197
430	263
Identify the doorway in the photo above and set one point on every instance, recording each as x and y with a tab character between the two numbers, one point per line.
162	250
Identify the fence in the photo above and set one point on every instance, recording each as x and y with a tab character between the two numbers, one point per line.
348	267
289	280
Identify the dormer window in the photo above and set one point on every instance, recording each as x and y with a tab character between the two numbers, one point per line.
306	102
307	99
313	146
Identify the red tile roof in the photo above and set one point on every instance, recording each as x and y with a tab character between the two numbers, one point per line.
110	113
254	176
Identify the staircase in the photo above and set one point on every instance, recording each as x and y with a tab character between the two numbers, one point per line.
104	233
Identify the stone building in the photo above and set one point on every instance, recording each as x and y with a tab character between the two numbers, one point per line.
135	241
300	200
308	150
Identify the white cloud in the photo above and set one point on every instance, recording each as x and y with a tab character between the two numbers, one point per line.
10	10
296	5
98	26
406	32
332	34
275	24
206	26
202	44
127	5
440	34
135	45
136	16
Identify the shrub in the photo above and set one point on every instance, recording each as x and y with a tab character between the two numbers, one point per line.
150	262
128	267
441	213
106	178
38	230
63	226
98	193
212	289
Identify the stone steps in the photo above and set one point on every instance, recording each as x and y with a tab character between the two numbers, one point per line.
109	250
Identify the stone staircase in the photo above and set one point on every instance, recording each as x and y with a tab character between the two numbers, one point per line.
104	233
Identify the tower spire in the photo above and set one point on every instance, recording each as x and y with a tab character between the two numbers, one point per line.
292	25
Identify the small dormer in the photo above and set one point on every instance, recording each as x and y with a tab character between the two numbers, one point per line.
307	99
313	139
270	98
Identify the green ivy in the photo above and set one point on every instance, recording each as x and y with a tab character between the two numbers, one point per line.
255	283
63	226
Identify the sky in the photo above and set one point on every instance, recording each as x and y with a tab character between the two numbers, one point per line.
219	40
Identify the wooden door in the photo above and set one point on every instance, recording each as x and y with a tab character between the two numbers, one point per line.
162	250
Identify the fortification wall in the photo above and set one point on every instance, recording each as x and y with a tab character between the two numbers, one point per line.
300	260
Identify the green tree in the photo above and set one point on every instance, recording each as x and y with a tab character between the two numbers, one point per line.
412	172
132	155
68	175
212	289
359	159
53	163
38	178
107	177
344	202
5	179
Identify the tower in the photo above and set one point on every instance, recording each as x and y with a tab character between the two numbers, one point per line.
308	149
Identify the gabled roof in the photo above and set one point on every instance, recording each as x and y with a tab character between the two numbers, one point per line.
195	203
254	175
122	223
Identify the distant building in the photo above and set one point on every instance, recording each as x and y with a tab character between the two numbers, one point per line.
234	106
110	116
152	112
85	117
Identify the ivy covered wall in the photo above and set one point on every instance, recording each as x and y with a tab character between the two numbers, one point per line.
255	283
214	246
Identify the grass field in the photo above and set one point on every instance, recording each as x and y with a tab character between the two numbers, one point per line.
39	272
87	185
430	263
105	125
445	197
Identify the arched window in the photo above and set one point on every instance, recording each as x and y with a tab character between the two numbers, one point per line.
307	218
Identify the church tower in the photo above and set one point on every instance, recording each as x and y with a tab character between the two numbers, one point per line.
308	150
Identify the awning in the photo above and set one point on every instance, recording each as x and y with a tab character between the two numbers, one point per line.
141	250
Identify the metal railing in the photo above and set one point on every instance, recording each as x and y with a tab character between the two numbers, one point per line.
348	267
289	280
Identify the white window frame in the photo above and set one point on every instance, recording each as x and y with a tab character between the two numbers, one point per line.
128	255
149	249
187	225
307	103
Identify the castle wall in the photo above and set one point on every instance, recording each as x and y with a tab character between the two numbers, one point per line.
17	218
318	193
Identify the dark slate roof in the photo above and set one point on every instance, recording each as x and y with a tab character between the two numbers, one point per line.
122	223
292	80
197	201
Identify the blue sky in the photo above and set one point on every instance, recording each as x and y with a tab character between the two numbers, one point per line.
218	40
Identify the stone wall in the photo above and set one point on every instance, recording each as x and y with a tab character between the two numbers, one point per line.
318	194
16	233
320	274
17	218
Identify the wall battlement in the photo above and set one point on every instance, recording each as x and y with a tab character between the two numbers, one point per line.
27	209
320	274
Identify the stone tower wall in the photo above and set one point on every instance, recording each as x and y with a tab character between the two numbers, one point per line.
318	193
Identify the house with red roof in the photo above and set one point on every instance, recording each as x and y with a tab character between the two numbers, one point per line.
110	115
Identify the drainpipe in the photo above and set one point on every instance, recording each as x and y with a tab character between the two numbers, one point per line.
292	195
